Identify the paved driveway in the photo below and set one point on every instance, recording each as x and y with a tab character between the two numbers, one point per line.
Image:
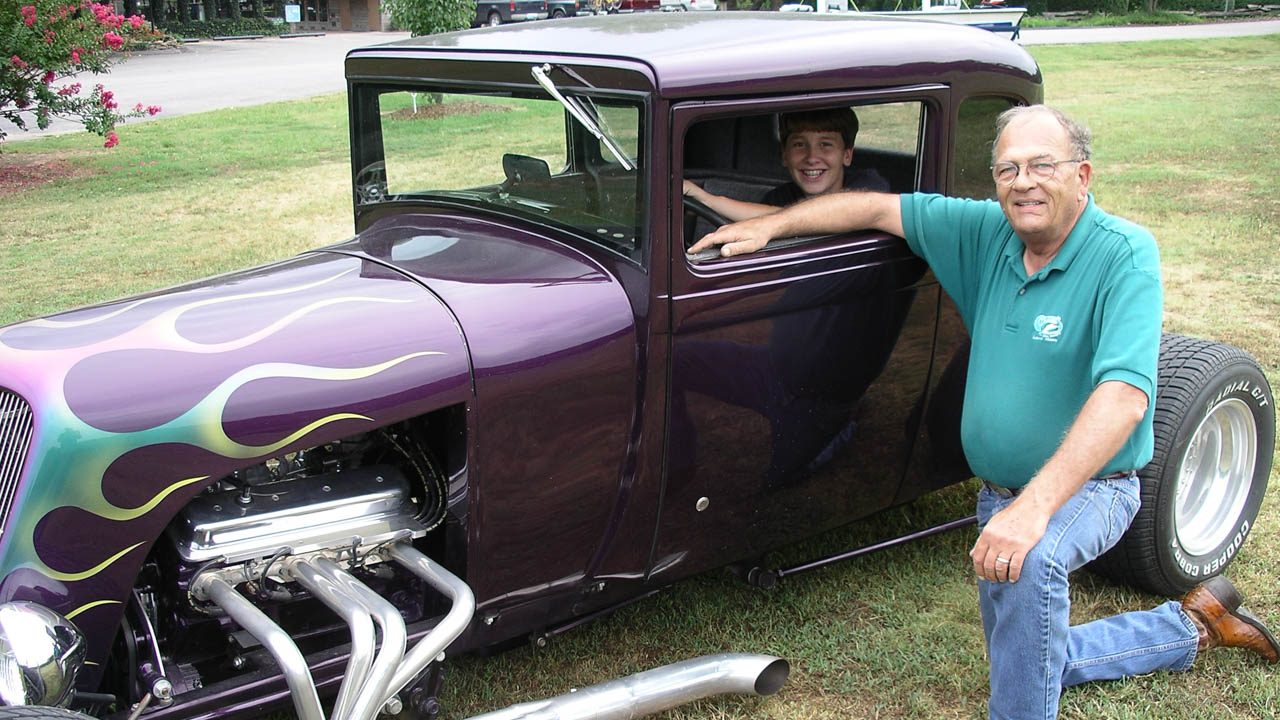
234	73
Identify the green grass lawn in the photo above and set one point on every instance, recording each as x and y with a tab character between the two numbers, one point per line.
1187	144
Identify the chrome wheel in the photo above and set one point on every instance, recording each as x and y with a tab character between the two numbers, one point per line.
1215	477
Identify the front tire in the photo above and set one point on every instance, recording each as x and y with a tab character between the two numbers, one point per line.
495	19
1214	439
40	712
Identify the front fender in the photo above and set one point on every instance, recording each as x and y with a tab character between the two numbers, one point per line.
137	405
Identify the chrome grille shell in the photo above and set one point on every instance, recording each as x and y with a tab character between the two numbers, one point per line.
16	427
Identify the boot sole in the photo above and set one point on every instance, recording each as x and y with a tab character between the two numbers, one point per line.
1247	617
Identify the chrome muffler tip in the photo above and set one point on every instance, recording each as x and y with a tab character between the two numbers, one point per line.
659	689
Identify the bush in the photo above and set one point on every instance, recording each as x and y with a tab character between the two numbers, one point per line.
425	17
43	42
223	27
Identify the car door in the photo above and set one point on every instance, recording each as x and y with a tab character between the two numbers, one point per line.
796	373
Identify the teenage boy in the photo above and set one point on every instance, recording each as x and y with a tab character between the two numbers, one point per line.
817	149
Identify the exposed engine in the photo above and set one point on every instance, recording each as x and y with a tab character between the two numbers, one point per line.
281	536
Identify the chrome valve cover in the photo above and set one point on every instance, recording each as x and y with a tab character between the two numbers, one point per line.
363	506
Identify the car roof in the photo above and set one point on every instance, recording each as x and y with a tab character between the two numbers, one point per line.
734	52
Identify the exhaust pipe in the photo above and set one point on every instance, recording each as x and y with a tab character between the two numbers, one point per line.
656	690
372	681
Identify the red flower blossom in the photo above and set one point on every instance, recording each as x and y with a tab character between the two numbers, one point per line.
135	22
112	40
48	77
112	140
18	62
152	109
29	15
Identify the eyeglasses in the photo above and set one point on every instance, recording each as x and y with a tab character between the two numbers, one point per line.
1006	173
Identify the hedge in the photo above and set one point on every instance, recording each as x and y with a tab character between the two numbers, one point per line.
223	27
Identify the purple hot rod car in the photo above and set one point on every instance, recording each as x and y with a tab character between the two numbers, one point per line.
512	401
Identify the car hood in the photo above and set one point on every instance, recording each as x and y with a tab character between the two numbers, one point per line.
241	365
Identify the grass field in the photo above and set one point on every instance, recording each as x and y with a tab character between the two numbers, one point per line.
1187	144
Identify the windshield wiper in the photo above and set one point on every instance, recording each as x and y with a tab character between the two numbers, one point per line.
542	73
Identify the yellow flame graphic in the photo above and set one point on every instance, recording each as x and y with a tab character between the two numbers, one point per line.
73	577
89	606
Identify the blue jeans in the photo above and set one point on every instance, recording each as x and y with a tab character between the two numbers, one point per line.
1034	650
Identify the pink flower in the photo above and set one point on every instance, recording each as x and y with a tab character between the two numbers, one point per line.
112	41
112	140
49	37
48	77
153	109
135	22
29	15
19	62
76	53
69	90
137	108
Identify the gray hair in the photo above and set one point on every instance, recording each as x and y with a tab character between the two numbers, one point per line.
1078	135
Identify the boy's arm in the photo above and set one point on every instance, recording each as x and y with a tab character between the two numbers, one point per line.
735	210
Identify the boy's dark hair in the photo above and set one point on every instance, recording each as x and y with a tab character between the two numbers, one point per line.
841	120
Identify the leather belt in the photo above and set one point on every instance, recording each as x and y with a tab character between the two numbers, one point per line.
1006	493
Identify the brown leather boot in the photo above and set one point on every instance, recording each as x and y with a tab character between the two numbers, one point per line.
1214	608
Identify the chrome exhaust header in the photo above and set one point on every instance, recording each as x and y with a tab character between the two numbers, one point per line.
656	690
371	679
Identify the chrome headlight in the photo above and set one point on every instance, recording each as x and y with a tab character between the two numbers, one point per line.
40	654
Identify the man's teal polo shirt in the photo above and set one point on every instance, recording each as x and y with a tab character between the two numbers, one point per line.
1042	344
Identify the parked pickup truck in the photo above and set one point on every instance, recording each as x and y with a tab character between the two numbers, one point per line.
497	12
512	401
566	8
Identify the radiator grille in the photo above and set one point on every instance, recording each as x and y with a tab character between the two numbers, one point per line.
15	442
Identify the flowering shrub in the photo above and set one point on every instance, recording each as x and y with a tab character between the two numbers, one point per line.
43	45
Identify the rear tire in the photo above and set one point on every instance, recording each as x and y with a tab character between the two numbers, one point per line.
495	19
1214	439
557	14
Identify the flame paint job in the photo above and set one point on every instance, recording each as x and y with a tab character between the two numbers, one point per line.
139	404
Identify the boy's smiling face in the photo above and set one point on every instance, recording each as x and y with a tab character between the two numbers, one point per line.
816	159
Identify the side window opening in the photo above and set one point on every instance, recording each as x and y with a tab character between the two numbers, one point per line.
747	165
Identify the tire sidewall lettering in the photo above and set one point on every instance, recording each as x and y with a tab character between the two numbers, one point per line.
1196	567
1239	387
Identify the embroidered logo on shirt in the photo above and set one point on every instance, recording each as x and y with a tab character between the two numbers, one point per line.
1048	327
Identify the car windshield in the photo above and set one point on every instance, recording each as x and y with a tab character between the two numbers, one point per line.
515	152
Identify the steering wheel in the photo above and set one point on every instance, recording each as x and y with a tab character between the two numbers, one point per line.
702	210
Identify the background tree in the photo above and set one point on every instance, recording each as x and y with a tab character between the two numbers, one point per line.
425	17
48	41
